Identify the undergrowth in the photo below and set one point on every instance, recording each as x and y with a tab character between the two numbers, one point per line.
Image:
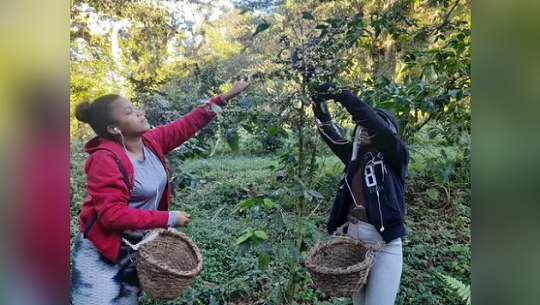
438	240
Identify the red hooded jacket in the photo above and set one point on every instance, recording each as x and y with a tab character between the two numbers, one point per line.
108	194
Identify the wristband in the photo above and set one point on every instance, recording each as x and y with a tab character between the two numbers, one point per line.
172	220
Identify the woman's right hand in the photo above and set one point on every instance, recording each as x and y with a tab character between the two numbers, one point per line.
182	219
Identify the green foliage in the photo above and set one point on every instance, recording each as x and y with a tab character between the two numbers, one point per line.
182	179
438	239
254	217
464	291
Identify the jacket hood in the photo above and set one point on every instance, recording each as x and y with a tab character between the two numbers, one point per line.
389	117
98	143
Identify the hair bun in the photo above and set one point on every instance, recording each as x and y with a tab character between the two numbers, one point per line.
83	113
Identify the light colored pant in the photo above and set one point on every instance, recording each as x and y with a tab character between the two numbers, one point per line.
98	281
385	275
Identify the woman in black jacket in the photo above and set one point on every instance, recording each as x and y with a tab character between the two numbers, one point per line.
371	192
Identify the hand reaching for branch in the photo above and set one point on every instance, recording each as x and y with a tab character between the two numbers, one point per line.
237	88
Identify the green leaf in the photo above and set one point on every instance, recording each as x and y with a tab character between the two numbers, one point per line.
273	130
308	196
303	247
277	223
464	291
246	204
243	248
264	247
213	300
264	261
233	140
443	153
242	239
307	15
261	234
261	28
433	194
315	194
456	248
247	128
377	32
456	93
216	108
410	57
269	203
234	145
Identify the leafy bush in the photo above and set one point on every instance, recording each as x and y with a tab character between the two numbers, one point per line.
438	238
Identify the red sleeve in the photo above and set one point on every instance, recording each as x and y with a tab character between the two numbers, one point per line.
172	135
111	195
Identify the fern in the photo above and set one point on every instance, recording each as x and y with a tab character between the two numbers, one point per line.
464	291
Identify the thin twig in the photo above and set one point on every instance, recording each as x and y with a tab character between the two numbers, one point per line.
449	13
216	146
314	210
446	18
291	24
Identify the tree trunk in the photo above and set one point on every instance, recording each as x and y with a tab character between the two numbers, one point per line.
384	53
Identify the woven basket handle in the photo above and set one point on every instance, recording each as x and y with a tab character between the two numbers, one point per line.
338	233
339	230
153	234
377	247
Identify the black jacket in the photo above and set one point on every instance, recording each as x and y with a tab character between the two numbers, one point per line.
384	163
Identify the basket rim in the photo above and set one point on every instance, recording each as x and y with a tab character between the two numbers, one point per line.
183	236
365	264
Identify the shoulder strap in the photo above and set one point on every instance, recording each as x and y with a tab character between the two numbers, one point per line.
128	184
124	174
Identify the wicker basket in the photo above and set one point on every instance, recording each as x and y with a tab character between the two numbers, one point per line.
340	267
168	264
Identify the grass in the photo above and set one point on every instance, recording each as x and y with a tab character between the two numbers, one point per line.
438	241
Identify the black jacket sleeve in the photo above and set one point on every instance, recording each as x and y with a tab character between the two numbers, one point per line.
332	134
388	143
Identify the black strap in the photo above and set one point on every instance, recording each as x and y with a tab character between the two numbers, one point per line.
124	174
128	184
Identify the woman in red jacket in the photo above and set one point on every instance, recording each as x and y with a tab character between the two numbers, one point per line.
128	192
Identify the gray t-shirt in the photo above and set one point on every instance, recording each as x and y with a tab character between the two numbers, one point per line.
150	182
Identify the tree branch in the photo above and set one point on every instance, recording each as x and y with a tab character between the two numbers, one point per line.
448	15
431	116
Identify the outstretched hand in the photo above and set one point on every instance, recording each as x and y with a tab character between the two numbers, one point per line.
326	89
324	92
237	88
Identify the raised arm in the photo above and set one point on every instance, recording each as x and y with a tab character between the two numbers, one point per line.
172	135
385	138
331	133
